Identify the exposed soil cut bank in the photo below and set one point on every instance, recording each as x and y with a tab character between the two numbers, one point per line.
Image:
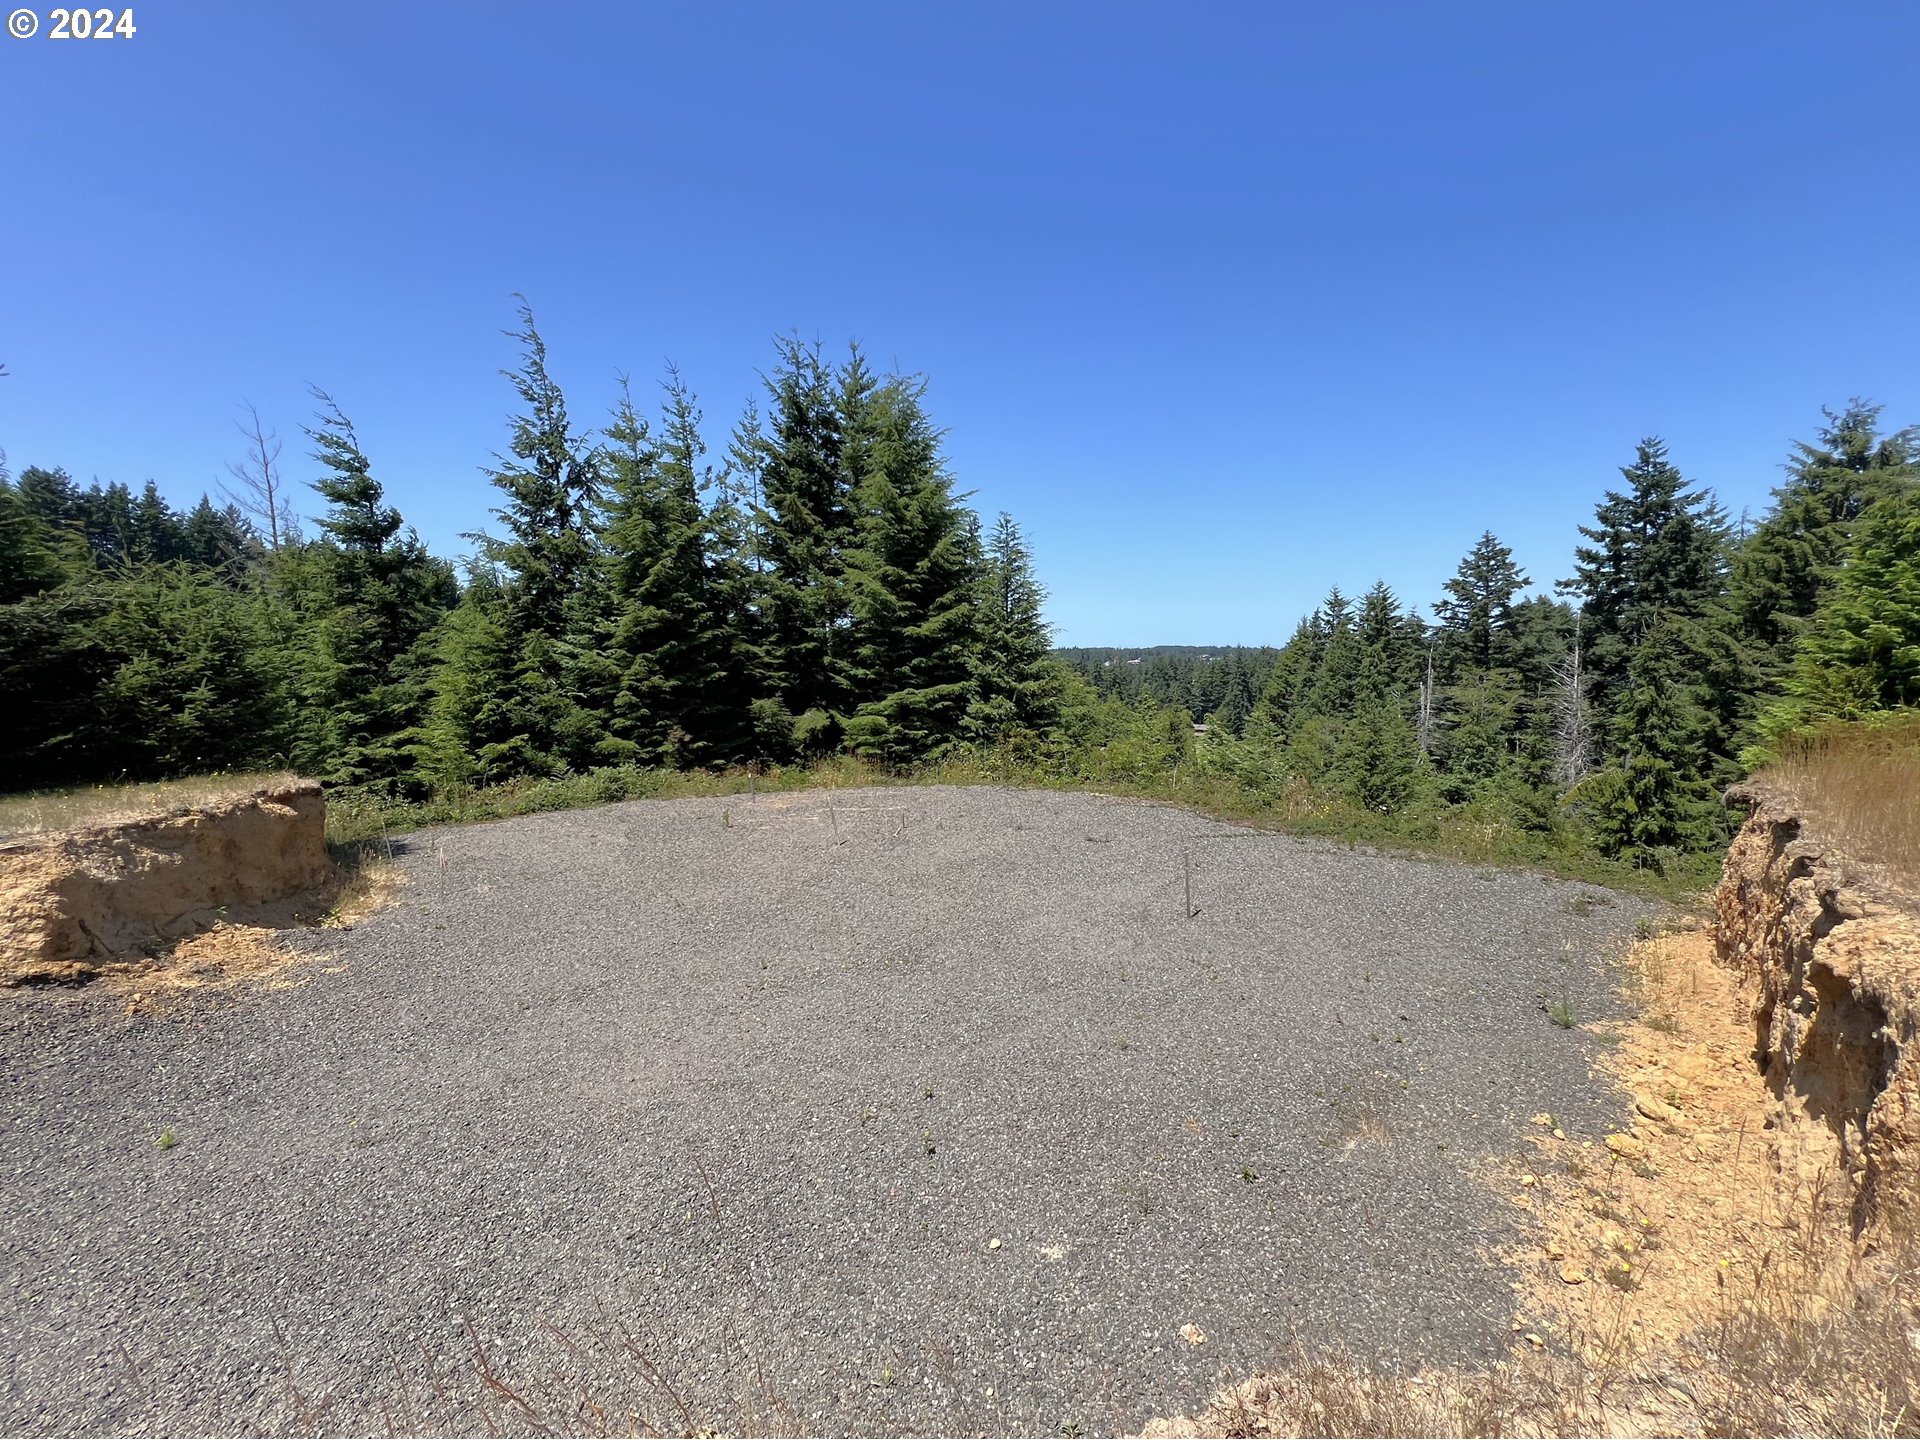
72	902
1834	963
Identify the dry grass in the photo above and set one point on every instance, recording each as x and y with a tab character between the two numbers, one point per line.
1671	1284
1859	787
49	811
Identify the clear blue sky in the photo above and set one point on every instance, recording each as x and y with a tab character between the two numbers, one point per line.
1225	303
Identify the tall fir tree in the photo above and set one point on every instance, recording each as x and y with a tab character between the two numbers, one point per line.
1476	617
1657	553
1016	683
382	597
667	642
549	481
910	577
1655	799
1784	568
1861	653
804	527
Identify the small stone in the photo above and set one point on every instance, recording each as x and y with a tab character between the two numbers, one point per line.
1627	1147
1193	1334
1543	1119
1535	1341
1558	1133
994	1244
1526	1180
1573	1274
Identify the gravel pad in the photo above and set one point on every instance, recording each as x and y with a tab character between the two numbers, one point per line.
710	1113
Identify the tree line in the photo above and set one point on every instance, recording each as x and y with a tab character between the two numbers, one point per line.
820	588
1620	705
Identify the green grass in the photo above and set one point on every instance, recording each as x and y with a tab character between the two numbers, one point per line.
1460	835
362	818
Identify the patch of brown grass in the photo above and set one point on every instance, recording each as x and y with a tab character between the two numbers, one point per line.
229	958
1859	787
368	884
52	811
1672	1284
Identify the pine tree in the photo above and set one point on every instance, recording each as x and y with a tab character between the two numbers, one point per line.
380	598
1476	620
1658	553
804	525
1017	687
667	643
910	577
550	484
1283	700
1655	800
1785	567
1236	698
1861	653
29	549
476	730
1376	758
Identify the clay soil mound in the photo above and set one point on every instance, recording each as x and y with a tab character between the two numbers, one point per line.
74	902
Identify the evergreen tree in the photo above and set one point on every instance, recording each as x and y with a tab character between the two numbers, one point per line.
1376	758
1476	619
1655	800
804	525
477	730
1784	568
380	598
910	577
29	549
1657	554
668	642
156	536
184	679
549	482
1862	652
1236	699
1016	684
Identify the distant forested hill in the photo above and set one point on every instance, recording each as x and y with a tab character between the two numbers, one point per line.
1200	679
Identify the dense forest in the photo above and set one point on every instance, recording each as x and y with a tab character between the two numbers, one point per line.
1618	706
819	589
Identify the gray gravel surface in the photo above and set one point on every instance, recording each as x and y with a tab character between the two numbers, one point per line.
707	1113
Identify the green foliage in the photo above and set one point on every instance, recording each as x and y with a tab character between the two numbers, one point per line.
804	524
549	485
1018	689
377	601
664	638
911	578
1789	562
823	595
1861	654
1655	801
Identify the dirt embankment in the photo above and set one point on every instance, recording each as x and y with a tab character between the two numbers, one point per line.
85	898
1833	963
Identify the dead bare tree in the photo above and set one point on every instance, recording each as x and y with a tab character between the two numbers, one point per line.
1423	724
262	490
1572	719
